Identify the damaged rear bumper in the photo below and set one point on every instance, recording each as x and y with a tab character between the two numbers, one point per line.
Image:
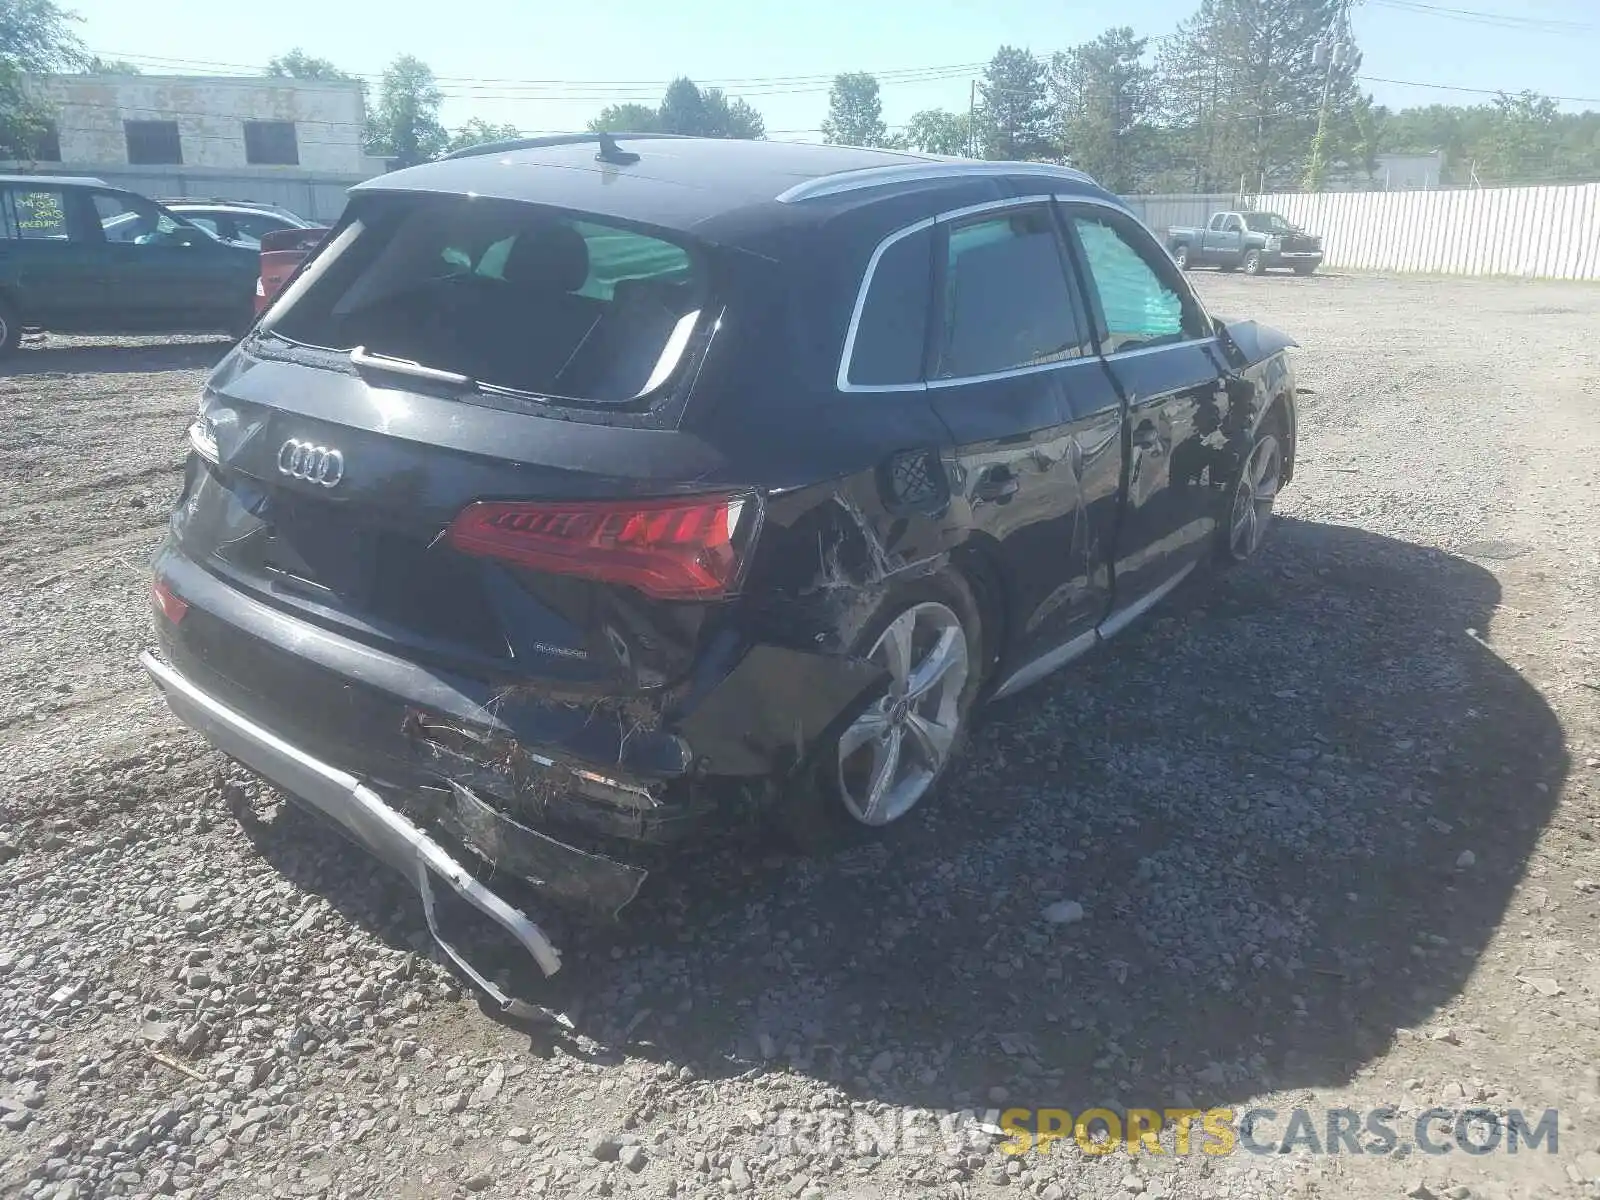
374	824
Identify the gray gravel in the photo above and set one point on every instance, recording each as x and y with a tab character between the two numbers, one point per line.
1320	833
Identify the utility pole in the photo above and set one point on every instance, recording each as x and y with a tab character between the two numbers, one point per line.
1332	52
972	118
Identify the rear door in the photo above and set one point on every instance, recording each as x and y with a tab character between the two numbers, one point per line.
1227	243
58	279
1169	373
1010	339
156	276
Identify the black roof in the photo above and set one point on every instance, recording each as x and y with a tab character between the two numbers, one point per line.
712	187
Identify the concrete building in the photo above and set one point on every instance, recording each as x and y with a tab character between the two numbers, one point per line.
196	121
293	142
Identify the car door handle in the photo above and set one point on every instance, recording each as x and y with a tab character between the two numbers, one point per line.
997	484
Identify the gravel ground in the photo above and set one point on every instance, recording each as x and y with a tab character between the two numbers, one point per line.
1320	834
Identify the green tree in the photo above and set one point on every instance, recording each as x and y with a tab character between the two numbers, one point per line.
683	109
478	132
1241	77
937	131
734	118
1014	106
297	64
109	66
855	111
35	38
406	125
626	118
1522	146
1102	95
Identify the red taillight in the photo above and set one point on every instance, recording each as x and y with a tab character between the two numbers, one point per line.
172	605
688	549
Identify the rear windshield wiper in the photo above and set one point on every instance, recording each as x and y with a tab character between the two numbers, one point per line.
362	360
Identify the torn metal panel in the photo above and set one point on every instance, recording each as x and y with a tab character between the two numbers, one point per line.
355	808
1255	342
764	716
563	872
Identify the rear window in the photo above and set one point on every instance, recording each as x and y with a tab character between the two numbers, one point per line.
510	295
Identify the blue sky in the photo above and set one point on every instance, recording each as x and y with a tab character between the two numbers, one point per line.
583	55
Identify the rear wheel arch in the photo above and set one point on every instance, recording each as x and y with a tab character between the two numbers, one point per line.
1279	415
979	566
11	321
811	810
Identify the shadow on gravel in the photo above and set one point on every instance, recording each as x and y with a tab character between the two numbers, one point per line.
1260	799
117	359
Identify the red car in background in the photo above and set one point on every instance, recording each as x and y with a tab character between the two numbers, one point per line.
282	252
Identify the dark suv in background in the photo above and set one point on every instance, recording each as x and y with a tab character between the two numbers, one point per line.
576	495
77	256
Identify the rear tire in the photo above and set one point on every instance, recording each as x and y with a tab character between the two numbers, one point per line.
1254	263
10	329
1304	268
866	778
1181	257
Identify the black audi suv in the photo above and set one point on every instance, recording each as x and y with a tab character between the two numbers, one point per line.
582	492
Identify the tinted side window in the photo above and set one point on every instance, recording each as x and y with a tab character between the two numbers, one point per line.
125	218
1007	302
1141	306
38	214
893	330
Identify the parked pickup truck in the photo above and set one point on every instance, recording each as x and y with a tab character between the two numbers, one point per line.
1254	241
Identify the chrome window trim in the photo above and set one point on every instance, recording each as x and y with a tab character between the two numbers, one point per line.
842	182
842	378
1137	351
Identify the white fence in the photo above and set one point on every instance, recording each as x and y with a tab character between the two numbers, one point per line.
1543	232
1158	212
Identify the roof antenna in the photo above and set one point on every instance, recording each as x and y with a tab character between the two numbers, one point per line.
612	153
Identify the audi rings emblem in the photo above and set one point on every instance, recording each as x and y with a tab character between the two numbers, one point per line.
314	464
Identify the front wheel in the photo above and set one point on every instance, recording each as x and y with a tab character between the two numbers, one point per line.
1255	492
1254	263
10	330
928	639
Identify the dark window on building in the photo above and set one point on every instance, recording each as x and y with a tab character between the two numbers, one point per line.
151	142
271	143
893	328
46	144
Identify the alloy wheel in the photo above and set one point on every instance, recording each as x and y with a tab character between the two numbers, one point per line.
1254	497
896	748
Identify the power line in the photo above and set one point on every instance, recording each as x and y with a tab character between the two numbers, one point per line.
1450	87
1495	20
890	75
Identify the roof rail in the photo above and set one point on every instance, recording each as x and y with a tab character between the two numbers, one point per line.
552	139
871	177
